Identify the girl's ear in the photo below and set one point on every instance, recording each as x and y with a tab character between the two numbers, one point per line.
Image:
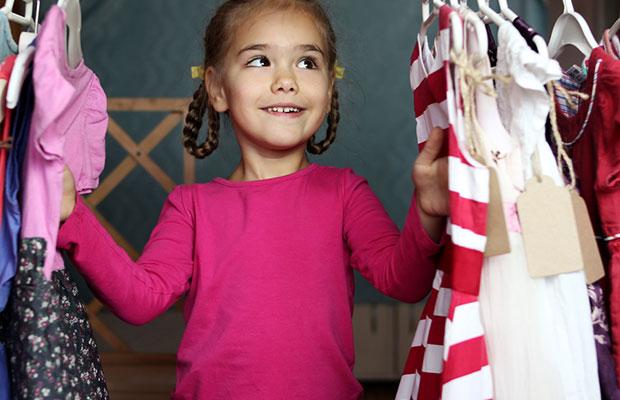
217	96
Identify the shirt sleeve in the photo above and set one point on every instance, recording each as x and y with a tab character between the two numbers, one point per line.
136	291
400	265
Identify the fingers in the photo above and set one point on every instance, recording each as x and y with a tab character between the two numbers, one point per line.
432	147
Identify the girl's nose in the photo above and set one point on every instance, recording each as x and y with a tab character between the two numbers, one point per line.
284	82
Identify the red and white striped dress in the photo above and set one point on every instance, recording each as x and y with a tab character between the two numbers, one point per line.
447	358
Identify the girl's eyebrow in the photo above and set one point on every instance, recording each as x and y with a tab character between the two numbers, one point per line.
263	47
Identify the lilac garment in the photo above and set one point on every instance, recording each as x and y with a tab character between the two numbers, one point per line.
69	123
492	46
11	221
526	31
9	231
606	364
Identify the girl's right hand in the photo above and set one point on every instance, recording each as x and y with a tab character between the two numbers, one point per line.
68	195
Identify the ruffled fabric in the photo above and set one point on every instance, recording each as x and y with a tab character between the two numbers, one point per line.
526	94
69	126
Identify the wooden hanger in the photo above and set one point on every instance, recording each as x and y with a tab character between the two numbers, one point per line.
571	29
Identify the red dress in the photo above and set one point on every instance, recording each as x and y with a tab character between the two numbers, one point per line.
5	73
447	358
593	140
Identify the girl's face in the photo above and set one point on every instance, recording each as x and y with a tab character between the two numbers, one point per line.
275	82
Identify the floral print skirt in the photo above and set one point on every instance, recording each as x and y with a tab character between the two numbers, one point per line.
50	345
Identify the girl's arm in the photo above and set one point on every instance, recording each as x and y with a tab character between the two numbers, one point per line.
400	265
135	291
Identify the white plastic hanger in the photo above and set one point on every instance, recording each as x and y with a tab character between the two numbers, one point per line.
488	13
474	25
456	27
25	38
538	40
505	11
614	28
18	74
571	29
74	23
22	63
25	20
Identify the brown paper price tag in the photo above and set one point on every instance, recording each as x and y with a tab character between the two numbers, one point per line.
550	233
592	262
497	232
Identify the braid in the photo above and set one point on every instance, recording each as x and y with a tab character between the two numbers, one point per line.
193	123
332	126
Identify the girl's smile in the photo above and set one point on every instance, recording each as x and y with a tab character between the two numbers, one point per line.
275	83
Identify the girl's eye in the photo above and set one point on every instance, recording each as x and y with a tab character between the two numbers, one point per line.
307	63
260	61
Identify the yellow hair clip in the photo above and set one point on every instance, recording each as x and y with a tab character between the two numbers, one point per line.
198	72
339	71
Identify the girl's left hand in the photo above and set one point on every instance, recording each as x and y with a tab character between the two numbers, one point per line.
430	176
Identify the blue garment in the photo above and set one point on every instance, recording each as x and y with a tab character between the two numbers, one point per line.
11	216
7	44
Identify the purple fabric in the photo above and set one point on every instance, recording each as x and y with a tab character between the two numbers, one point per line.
526	31
606	364
492	46
69	123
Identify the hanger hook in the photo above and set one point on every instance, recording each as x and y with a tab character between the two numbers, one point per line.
568	6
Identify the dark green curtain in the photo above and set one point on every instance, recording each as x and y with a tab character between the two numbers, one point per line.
142	48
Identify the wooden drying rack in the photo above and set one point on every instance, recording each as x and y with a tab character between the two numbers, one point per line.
137	155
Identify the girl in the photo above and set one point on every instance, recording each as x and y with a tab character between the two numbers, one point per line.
265	256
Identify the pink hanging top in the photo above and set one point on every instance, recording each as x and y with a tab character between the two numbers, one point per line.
69	124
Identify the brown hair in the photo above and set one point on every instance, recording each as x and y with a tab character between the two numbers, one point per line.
217	39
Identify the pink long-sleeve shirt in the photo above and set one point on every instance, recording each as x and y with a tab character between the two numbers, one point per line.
268	270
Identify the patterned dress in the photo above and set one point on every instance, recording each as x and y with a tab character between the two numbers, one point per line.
52	352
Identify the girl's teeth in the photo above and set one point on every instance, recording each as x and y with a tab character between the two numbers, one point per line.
283	109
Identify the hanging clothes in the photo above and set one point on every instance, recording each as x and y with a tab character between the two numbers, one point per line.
572	80
539	331
69	130
8	177
11	220
591	137
5	73
446	359
492	45
50	345
52	351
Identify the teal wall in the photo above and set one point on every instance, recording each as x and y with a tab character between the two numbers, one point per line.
142	48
